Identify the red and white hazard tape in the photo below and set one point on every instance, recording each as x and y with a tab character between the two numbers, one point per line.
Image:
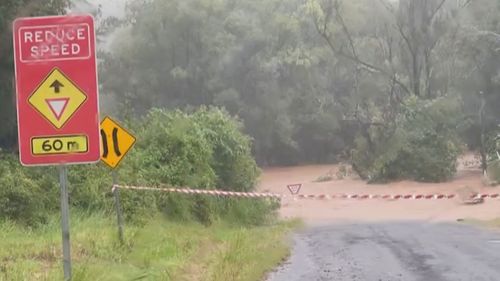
310	196
203	191
393	196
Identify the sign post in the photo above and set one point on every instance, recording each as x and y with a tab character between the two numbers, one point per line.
63	181
116	142
119	215
57	99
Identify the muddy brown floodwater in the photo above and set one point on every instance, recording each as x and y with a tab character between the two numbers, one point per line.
386	240
319	212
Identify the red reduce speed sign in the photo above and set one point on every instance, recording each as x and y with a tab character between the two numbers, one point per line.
56	83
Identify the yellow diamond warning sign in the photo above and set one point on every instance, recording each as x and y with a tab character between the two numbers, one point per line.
116	142
57	98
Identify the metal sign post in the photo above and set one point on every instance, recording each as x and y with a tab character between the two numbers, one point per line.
116	142
119	216
63	181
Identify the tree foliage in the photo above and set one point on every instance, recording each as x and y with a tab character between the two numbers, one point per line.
311	80
314	81
204	149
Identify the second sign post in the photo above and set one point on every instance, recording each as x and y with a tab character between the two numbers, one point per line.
116	142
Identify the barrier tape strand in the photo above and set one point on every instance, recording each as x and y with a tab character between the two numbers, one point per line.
307	196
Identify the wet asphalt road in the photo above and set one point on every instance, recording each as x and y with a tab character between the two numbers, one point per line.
393	252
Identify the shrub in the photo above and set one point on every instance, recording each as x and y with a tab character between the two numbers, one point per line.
173	150
22	198
427	159
232	159
494	171
248	211
205	149
421	145
324	178
90	187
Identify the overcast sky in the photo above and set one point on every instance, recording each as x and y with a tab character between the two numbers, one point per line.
114	8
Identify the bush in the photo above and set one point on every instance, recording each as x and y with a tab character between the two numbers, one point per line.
421	145
494	171
232	159
205	149
172	149
427	159
22	198
90	187
248	211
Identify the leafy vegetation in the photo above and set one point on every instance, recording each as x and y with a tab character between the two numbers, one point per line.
309	81
494	172
315	82
28	199
156	250
225	236
422	147
398	96
204	149
312	81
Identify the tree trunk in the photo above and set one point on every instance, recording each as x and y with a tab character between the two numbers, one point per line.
484	163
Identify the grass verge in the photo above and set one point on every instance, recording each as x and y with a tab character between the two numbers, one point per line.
158	250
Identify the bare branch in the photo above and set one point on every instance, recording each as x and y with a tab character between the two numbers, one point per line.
433	14
323	32
464	5
328	14
405	37
345	29
366	65
398	25
387	6
487	33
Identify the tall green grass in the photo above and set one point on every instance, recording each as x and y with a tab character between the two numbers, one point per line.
247	254
156	250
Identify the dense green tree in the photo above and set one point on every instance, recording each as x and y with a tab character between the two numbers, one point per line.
248	56
312	81
479	82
